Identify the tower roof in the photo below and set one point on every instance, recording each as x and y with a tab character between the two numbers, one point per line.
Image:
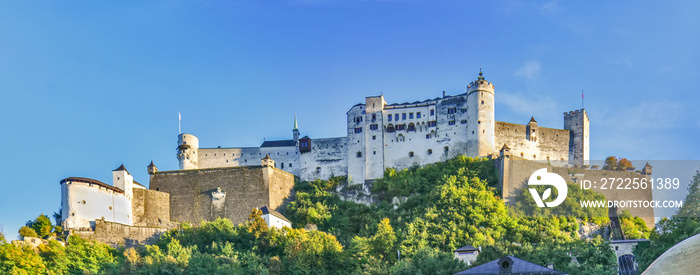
532	119
296	127
505	147
121	168
481	75
266	157
151	165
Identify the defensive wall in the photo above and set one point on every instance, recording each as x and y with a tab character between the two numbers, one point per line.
117	234
206	194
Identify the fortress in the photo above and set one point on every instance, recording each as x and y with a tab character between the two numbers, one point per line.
228	182
400	135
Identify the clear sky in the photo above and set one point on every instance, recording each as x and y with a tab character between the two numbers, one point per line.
89	85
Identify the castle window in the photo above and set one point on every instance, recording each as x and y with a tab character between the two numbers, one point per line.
358	130
482	102
374	137
374	117
396	117
359	154
389	117
447	149
400	127
358	119
452	110
390	128
534	156
418	115
464	110
205	155
431	123
410	154
430	151
184	142
478	122
472	132
283	165
227	161
464	121
410	115
373	127
403	116
451	122
374	152
290	165
522	155
83	201
432	112
411	127
427	136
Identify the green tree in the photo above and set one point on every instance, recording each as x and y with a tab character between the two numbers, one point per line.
26	231
20	259
429	261
382	243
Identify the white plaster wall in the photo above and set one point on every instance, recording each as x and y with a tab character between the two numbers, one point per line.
330	154
123	180
467	257
273	221
83	203
481	118
286	158
374	145
229	157
187	157
398	144
356	143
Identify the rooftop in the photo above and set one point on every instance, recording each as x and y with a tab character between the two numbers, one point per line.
266	210
279	143
515	266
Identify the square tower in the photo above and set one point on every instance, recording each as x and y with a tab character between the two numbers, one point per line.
577	122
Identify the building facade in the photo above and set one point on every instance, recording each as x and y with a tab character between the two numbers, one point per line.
400	135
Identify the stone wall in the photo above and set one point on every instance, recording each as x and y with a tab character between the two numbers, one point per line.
327	158
151	208
116	234
550	144
206	194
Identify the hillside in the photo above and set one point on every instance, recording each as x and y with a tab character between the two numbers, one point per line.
445	206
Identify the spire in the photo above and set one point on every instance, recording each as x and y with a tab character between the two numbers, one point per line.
296	127
481	75
532	119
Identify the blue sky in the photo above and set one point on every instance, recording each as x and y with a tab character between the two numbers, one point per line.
89	85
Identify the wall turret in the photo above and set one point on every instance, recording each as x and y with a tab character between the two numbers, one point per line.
187	155
531	129
152	169
481	118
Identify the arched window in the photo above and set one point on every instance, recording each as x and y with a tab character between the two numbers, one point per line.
430	151
410	154
390	128
411	127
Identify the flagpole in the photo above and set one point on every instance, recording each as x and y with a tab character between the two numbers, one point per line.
179	119
581	99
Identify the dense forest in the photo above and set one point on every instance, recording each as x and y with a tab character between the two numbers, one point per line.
443	206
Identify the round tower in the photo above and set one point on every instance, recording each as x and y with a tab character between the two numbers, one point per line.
481	117
187	146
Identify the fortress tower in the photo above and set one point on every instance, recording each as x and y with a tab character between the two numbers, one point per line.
295	131
187	146
577	123
481	117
